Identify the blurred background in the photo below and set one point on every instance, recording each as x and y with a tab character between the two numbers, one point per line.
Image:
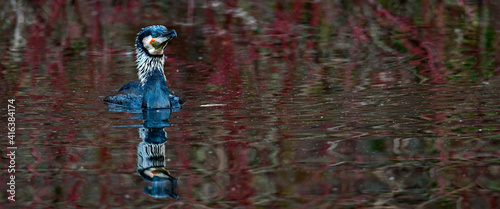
292	104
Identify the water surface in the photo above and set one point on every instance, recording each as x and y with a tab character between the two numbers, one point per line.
296	104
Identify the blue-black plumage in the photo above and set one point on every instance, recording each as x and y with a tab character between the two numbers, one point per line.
151	90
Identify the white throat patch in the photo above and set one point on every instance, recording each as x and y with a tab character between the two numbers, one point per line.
147	64
151	49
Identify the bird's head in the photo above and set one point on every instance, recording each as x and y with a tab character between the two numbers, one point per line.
153	39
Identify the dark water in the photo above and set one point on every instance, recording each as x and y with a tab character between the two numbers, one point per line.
296	104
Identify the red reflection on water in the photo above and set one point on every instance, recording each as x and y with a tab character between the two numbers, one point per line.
294	41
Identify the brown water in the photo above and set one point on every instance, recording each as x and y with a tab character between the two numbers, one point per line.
298	104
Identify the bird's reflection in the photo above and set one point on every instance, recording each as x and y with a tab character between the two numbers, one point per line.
151	162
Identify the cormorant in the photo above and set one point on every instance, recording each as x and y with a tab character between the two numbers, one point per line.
151	90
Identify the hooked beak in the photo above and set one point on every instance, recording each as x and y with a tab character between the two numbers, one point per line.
162	41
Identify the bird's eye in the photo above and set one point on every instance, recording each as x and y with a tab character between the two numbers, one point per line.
153	34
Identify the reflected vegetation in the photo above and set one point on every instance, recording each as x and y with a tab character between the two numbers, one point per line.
292	104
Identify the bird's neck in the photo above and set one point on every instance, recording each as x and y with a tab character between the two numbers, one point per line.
150	71
149	66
